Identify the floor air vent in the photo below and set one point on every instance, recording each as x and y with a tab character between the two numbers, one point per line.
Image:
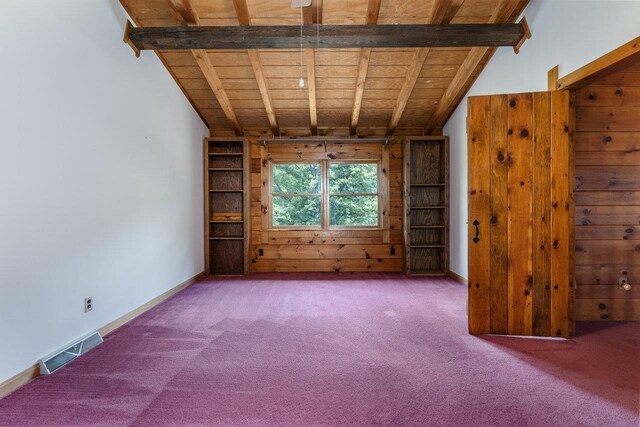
58	359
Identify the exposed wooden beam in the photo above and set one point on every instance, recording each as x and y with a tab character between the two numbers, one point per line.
411	77
331	36
127	30
310	58
183	12
363	69
373	11
318	10
202	58
256	64
505	10
442	13
186	16
242	11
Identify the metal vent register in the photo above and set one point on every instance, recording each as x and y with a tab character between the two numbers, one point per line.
58	359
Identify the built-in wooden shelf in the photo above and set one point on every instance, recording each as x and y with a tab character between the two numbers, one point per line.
426	212
227	226
226	238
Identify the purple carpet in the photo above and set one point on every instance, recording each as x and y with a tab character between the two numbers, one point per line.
335	349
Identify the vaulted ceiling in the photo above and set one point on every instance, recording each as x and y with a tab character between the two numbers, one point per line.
364	92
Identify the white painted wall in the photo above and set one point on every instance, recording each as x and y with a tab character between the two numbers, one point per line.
569	33
100	176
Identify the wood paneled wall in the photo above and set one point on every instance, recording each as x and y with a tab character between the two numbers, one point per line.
608	196
326	250
520	211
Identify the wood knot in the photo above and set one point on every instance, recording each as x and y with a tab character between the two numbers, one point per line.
494	220
608	139
524	133
547	287
512	103
555	243
555	287
477	285
604	316
527	292
602	306
510	132
591	97
619	92
521	183
500	157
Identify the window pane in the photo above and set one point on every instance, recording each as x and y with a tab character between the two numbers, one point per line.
353	210
296	178
296	210
353	177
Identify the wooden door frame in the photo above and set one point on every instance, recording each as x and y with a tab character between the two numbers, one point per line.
608	63
614	61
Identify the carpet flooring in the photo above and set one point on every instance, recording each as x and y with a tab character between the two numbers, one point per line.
335	350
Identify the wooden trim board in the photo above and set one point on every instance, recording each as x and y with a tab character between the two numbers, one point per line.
110	327
22	378
608	63
19	380
458	278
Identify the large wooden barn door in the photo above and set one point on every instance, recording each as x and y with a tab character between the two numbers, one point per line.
520	214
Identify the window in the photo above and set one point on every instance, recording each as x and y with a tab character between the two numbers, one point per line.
325	194
353	194
296	194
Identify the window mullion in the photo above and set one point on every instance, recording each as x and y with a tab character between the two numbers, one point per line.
325	193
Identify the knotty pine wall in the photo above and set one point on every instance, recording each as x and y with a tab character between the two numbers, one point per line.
326	250
607	195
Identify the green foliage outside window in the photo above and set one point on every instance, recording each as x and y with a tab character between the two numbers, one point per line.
353	178
297	194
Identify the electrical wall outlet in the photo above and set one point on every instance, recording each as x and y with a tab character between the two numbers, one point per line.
88	304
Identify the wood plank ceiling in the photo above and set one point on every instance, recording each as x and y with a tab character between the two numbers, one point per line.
364	92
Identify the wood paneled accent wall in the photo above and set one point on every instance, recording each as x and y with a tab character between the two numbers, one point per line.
607	193
299	250
520	212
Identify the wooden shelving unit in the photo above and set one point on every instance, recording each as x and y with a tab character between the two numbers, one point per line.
227	214
426	205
